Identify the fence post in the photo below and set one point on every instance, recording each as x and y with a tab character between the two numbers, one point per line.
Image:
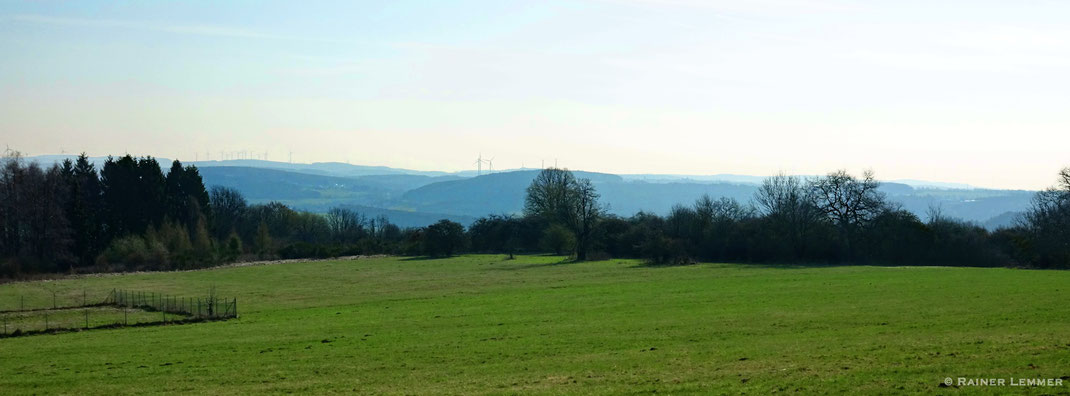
46	320
125	320
87	318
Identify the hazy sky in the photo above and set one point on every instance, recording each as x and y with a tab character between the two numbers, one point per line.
966	91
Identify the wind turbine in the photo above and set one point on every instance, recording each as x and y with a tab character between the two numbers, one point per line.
490	165
479	165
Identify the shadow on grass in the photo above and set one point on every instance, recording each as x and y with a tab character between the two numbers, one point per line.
507	267
426	258
20	333
649	264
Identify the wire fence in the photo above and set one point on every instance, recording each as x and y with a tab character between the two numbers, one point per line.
119	308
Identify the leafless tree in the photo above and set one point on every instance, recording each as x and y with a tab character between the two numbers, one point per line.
33	222
1048	223
586	212
788	203
849	202
346	225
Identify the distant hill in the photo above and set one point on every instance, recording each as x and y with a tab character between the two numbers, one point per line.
1007	219
314	192
503	193
418	198
496	193
318	168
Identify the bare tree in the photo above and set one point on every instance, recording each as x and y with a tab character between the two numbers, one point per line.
228	206
848	202
586	212
346	225
1048	224
787	202
33	221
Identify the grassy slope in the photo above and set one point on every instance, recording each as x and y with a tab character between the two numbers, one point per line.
479	324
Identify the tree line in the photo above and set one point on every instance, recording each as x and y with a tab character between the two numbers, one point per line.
831	219
129	215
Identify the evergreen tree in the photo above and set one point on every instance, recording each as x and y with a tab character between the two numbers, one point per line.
84	208
185	195
133	195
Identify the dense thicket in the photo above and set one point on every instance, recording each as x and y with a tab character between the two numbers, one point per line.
132	216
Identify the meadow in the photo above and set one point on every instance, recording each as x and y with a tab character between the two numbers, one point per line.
538	324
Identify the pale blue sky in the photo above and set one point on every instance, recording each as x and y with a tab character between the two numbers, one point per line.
965	91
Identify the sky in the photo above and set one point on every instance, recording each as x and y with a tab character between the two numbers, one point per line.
957	91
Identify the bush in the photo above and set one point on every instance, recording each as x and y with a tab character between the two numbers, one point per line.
135	253
233	248
443	238
662	250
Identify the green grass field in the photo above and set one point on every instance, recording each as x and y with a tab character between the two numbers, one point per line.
482	324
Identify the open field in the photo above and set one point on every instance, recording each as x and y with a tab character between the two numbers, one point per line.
481	324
